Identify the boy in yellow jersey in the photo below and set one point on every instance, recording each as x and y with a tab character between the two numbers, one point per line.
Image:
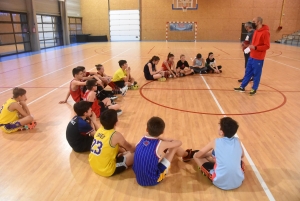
14	113
122	77
106	158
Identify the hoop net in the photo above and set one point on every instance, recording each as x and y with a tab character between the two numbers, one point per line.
184	8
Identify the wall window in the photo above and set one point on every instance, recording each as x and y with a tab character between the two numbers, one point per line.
14	33
50	31
75	28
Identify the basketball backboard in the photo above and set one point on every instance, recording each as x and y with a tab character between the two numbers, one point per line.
185	5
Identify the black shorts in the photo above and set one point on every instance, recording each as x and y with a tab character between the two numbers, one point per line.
148	77
120	84
103	108
120	165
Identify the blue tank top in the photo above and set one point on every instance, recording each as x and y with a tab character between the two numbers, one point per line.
227	173
145	165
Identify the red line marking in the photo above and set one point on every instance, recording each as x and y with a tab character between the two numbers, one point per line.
151	49
208	113
222	50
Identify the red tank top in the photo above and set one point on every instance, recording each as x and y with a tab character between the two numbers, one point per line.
164	67
95	107
76	95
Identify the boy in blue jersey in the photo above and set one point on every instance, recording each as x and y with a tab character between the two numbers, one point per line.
221	159
154	154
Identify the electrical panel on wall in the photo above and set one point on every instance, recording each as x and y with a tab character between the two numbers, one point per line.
124	25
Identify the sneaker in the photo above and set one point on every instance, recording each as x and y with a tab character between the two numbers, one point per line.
252	92
170	76
203	72
240	89
240	80
162	79
113	98
182	75
119	112
190	155
124	90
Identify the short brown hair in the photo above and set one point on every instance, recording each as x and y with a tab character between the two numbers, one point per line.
18	92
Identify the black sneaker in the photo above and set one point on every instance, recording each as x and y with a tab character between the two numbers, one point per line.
241	80
252	92
190	155
204	72
240	89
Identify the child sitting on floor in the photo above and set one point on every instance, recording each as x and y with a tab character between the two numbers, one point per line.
153	154
98	107
82	127
14	113
211	64
221	159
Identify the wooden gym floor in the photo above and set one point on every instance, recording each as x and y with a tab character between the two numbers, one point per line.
39	164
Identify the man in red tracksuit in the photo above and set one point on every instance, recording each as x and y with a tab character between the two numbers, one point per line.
259	46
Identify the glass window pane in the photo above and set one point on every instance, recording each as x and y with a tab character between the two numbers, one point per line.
42	44
16	17
49	43
72	27
48	27
79	32
72	20
41	36
22	38
72	32
39	18
40	27
24	27
5	17
78	20
48	35
7	49
23	18
78	27
55	20
6	28
47	19
7	38
57	35
17	28
20	47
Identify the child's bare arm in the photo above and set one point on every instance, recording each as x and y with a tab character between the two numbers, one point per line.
169	68
66	99
204	150
19	108
118	138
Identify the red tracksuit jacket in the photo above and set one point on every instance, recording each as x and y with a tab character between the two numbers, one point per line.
261	40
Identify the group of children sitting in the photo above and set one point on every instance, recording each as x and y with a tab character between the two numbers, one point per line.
168	69
110	153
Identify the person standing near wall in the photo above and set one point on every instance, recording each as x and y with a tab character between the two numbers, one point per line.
258	48
246	43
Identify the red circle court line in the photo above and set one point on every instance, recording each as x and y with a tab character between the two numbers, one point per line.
208	113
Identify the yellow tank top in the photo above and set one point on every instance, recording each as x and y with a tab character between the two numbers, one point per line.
102	157
7	116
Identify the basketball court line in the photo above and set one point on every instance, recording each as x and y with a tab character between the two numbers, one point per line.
284	64
254	168
290	58
61	69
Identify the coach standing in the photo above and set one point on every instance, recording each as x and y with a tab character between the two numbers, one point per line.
259	46
246	43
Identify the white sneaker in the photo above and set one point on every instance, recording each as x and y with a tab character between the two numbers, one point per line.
124	90
119	112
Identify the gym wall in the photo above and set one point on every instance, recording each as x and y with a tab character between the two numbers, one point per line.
218	20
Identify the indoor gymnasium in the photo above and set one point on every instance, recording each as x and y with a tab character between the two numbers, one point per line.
135	100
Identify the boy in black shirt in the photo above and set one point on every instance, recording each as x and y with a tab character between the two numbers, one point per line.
81	129
183	67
